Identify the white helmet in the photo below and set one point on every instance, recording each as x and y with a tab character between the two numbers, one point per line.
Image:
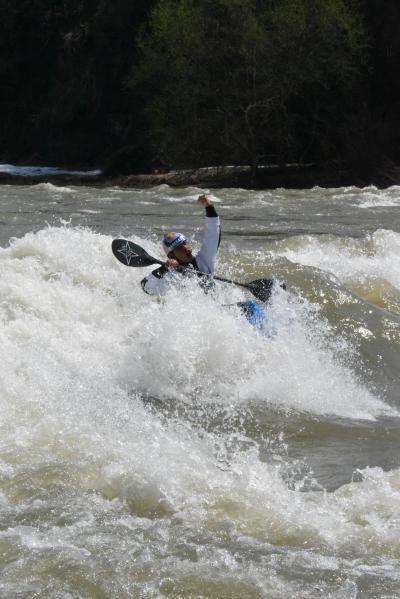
171	241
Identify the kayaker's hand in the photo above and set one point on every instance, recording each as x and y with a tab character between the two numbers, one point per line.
204	201
172	264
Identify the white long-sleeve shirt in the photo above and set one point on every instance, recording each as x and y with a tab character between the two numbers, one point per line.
161	280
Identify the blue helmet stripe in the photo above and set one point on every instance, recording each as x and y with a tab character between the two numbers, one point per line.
171	243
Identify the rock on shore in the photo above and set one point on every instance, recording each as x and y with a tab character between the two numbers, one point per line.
292	176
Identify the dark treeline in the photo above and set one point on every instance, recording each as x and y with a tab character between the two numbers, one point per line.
134	85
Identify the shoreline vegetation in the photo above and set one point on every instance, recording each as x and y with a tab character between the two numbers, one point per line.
290	176
155	91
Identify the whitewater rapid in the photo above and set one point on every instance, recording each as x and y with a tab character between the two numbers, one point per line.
65	286
165	449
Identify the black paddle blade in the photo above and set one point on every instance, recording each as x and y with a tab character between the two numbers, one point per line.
131	254
261	288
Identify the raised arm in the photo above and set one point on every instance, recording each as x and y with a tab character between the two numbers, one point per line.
207	256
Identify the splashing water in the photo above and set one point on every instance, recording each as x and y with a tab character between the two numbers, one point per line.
165	449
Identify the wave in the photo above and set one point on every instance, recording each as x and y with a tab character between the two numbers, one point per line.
64	287
87	467
53	189
369	265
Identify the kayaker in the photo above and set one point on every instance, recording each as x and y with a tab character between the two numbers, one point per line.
180	259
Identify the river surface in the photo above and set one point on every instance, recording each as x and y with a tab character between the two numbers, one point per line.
169	449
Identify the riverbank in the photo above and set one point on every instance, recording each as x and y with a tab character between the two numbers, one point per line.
292	176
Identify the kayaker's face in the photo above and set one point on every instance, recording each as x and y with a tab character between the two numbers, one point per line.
183	253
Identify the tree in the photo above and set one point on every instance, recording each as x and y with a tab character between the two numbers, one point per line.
223	78
63	67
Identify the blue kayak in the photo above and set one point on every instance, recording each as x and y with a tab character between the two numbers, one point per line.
255	314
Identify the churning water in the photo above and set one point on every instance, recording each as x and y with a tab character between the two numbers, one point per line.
168	449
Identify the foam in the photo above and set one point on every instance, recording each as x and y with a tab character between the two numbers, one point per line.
87	469
374	257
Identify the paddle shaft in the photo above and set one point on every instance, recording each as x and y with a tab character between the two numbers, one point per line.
205	274
261	289
131	254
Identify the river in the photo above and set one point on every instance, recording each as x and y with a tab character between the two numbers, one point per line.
169	449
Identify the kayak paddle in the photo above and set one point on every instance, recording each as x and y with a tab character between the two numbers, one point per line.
131	254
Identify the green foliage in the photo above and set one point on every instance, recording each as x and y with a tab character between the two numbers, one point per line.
63	68
130	83
224	73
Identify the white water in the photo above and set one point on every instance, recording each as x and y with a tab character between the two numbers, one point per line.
35	171
105	493
63	290
375	257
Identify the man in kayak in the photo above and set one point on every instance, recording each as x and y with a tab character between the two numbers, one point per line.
180	258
